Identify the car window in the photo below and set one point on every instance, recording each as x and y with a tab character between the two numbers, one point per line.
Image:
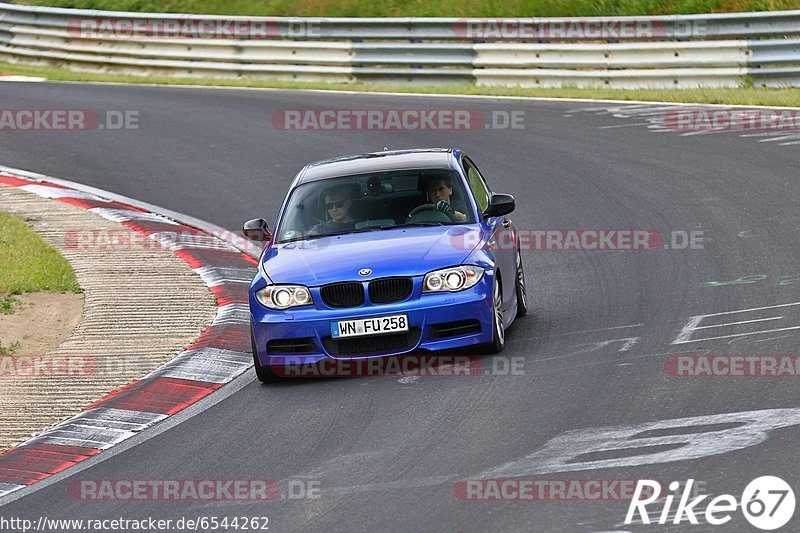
376	201
477	185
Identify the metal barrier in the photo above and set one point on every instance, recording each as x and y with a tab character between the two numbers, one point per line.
626	52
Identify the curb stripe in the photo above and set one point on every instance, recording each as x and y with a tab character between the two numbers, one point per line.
213	276
228	295
99	428
220	354
28	464
57	192
235	313
11	77
199	258
90	205
225	336
160	395
213	365
12	181
8	488
123	214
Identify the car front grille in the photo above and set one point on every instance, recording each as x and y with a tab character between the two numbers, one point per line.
387	290
348	294
373	344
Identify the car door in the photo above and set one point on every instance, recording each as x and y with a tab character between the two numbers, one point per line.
500	228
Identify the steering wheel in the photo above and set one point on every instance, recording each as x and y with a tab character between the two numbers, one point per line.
428	213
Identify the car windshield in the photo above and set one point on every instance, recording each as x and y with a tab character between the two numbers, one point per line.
372	202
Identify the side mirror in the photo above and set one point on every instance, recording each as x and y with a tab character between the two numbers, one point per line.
257	230
499	205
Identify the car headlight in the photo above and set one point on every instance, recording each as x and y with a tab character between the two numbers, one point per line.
284	296
452	279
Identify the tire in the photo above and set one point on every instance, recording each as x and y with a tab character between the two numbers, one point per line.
522	291
498	332
263	373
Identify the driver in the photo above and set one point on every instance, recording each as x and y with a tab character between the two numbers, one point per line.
440	192
337	206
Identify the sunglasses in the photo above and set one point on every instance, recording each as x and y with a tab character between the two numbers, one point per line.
334	205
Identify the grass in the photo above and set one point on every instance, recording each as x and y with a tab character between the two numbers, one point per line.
748	95
8	303
9	350
426	8
29	264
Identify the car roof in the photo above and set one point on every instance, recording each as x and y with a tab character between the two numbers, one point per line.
376	162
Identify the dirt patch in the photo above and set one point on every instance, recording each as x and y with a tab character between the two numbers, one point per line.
42	322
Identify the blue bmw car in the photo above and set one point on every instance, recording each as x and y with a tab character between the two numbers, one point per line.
381	254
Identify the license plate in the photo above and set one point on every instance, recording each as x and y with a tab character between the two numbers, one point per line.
369	326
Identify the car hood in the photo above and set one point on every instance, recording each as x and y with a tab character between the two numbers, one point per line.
394	252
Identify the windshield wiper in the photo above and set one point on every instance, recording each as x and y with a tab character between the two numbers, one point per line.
415	224
320	235
364	230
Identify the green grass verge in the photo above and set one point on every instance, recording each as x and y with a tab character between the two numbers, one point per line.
426	8
744	95
29	264
7	304
9	350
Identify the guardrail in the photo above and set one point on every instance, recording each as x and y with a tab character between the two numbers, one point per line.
629	52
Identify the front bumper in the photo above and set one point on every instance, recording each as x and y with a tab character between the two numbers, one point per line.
425	312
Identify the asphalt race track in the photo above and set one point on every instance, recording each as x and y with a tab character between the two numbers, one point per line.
387	452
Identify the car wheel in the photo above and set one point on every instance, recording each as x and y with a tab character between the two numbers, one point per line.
263	373
522	291
498	331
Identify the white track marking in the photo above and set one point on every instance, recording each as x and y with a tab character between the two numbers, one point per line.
564	452
623	126
685	335
741	334
600	329
753	309
8	488
656	114
593	347
778	337
740	322
23	79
